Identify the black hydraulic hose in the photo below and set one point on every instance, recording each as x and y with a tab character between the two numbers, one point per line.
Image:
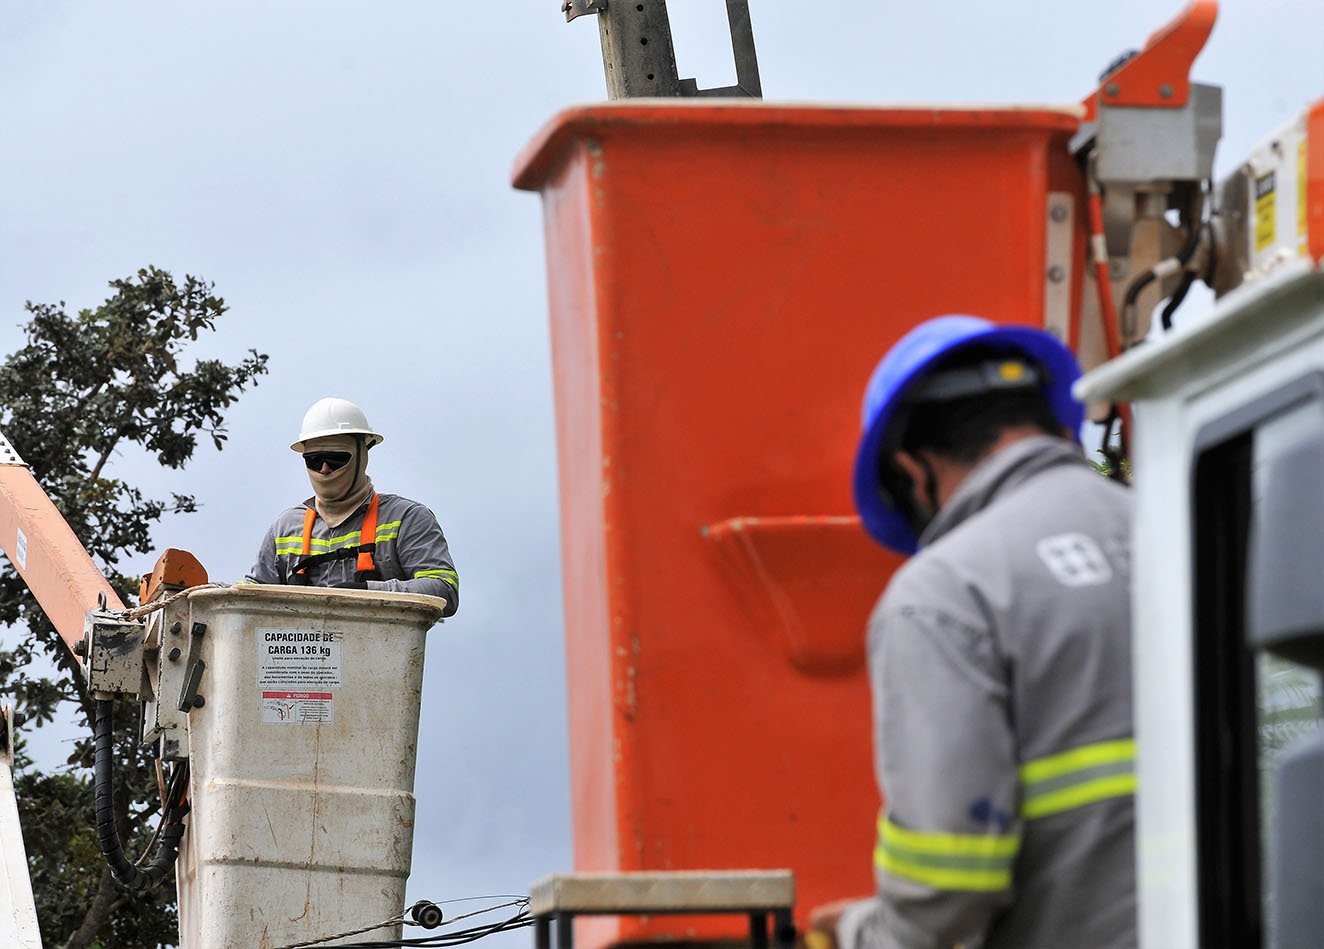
172	821
1178	295
1188	276
1129	302
1182	258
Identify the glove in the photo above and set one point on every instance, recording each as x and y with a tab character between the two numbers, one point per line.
350	585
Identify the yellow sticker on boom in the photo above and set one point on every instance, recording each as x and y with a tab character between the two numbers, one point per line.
1266	211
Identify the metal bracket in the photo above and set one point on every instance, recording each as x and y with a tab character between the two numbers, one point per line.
167	673
1142	151
1058	293
577	8
112	653
742	49
639	57
8	456
188	692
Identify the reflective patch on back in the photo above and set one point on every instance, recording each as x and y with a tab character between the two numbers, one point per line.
1074	560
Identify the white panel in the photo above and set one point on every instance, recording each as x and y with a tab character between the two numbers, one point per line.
1257	339
18	912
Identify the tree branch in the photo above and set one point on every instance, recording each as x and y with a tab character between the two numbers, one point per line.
81	407
97	915
105	455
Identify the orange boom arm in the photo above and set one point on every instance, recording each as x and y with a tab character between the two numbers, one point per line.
45	551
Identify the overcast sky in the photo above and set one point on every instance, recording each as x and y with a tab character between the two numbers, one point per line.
341	172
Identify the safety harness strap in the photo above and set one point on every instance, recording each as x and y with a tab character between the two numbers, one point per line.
299	575
365	567
368	538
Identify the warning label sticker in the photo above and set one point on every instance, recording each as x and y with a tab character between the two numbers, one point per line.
297	708
1266	211
299	660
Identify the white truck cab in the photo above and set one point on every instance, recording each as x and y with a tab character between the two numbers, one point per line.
1228	577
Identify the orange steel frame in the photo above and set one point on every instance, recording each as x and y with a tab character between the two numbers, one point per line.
1159	75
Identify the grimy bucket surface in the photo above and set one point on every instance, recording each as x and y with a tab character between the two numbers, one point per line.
302	763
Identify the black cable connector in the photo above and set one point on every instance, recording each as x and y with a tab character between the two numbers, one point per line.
518	920
425	913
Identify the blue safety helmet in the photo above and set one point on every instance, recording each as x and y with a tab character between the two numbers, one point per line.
907	361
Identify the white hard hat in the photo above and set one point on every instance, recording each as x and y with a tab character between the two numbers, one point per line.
333	416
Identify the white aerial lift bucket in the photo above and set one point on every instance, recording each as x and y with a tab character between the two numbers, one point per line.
302	755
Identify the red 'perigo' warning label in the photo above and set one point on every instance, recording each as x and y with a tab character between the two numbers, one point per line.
297	708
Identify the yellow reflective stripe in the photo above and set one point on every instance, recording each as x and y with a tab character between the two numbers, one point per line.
1054	802
947	861
1071	779
343	540
964	845
285	543
441	572
1086	756
981	881
321	545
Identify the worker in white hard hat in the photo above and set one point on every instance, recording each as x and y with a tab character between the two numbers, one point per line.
348	535
999	655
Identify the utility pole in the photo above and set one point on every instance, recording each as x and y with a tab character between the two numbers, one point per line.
639	57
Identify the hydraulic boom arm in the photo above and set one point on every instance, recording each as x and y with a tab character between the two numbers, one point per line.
50	559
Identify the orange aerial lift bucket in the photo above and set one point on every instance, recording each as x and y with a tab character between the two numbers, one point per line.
723	278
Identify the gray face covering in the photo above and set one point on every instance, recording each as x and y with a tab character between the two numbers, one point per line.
338	494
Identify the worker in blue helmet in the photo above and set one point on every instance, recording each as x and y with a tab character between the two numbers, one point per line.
999	655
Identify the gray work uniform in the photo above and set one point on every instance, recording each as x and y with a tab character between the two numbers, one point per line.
411	551
1000	662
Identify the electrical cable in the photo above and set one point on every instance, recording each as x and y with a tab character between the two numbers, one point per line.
519	920
1201	235
1178	295
1165	268
394	921
172	820
178	779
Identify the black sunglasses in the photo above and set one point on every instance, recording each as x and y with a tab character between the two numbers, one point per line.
335	460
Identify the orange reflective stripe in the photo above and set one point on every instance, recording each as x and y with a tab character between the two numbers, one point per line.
367	535
309	516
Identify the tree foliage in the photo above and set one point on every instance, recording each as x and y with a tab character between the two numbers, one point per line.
84	389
